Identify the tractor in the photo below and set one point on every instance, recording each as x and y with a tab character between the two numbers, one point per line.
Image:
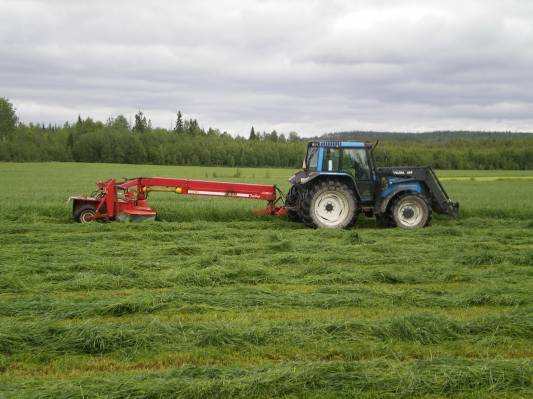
340	180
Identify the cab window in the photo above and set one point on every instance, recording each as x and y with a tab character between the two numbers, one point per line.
311	161
331	160
355	162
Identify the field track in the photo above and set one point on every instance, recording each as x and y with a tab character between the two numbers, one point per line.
215	302
485	178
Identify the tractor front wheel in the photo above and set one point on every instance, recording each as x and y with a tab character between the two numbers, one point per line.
411	211
330	204
85	213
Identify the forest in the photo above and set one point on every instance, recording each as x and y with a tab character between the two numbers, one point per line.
119	141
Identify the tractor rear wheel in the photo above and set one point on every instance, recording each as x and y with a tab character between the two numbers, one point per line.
85	213
329	204
411	211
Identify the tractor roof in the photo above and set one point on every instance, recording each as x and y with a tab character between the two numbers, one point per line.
337	144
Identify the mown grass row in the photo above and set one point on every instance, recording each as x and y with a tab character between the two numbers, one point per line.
319	379
226	273
108	272
186	300
99	337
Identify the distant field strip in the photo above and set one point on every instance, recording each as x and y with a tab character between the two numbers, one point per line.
486	178
214	302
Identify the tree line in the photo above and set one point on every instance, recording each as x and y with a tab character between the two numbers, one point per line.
119	141
449	149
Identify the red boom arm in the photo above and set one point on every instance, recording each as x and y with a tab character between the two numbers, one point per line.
204	187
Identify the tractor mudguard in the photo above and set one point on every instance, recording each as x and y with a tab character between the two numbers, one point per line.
303	177
404	188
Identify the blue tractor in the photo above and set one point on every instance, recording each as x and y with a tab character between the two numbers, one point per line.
340	181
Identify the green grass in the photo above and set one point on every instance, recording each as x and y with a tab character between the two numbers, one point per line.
215	302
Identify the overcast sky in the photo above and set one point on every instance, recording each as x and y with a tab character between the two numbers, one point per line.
308	66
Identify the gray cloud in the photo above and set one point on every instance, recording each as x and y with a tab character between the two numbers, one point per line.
309	66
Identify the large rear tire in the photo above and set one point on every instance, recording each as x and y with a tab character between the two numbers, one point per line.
85	214
329	204
411	211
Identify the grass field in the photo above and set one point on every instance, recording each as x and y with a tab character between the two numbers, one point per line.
215	302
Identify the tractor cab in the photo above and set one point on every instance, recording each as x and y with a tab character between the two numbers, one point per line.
340	158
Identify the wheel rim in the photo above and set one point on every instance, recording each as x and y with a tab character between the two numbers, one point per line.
331	208
410	214
87	216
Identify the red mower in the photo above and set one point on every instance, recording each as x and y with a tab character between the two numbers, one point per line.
126	200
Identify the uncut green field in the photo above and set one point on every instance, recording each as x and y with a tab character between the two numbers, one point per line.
213	301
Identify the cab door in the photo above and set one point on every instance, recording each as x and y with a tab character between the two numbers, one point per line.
355	161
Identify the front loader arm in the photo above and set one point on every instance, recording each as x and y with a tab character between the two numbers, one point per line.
439	197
